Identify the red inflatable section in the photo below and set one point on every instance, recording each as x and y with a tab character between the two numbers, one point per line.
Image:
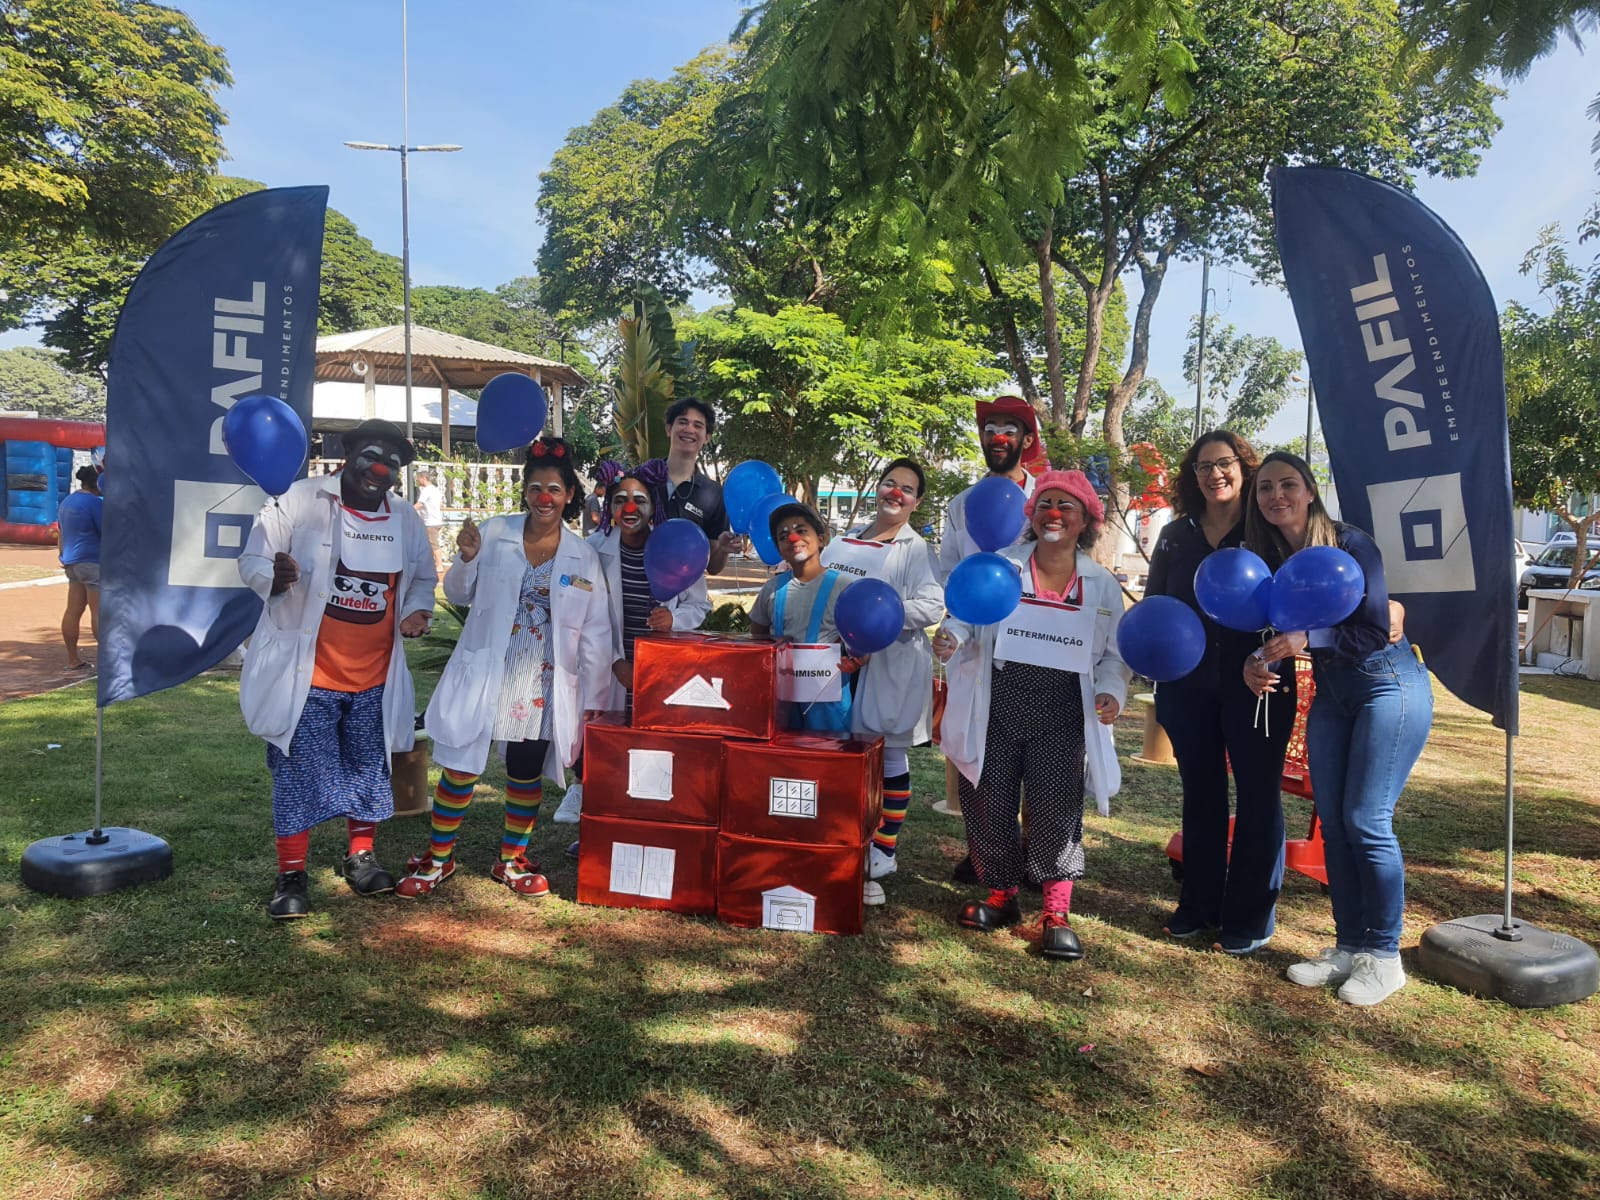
74	435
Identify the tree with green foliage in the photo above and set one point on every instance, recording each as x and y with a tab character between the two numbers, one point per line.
361	286
109	133
1553	383
35	380
1032	132
798	389
1247	377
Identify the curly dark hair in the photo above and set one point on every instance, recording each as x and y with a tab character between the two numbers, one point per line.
1183	489
553	453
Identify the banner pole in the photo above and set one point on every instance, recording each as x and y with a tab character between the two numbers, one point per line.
98	837
1508	931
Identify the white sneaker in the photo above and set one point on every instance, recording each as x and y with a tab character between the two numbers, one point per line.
872	893
1327	968
880	864
571	806
1372	980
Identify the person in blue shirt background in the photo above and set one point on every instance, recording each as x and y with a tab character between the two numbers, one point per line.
78	525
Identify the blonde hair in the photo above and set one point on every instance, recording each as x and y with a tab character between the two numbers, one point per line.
1262	536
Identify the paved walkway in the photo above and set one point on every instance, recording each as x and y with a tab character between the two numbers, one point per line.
32	658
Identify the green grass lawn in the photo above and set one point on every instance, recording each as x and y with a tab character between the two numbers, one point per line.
172	1042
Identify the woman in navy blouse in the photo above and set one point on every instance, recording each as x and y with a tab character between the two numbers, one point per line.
1211	719
1371	718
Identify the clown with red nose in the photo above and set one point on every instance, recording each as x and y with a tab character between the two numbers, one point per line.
894	689
335	558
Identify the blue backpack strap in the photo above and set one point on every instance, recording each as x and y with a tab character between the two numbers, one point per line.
778	598
814	629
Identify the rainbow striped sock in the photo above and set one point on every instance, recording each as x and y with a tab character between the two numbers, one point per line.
896	799
523	797
450	800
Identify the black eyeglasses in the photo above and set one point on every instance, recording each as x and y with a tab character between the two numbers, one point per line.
1211	468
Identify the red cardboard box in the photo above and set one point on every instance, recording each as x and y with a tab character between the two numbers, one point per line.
643	775
781	885
698	683
647	864
806	788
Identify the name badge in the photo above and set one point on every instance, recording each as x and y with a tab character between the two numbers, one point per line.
858	558
1047	633
808	674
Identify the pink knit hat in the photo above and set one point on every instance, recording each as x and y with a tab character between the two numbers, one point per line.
1075	484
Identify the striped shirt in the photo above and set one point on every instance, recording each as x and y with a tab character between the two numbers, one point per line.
636	601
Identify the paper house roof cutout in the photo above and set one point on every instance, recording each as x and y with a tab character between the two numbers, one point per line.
790	909
700	692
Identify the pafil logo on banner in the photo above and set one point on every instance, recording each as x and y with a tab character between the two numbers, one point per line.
210	520
1419	523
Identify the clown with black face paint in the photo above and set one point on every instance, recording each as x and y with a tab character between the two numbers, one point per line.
342	568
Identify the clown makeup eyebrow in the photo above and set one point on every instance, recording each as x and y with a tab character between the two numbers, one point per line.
798	526
993	428
622	498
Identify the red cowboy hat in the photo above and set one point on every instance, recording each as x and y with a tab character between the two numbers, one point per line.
1033	457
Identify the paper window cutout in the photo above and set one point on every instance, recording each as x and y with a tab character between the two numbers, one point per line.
638	870
650	774
792	798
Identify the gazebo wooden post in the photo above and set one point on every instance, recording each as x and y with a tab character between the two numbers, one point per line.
444	419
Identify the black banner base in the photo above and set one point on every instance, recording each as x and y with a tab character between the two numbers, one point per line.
1533	969
78	865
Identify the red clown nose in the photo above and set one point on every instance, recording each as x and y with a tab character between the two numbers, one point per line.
794	539
629	508
381	470
896	495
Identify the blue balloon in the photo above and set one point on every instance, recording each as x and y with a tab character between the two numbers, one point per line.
1315	588
983	589
994	512
746	484
1161	638
869	615
266	440
1233	587
760	527
511	412
674	557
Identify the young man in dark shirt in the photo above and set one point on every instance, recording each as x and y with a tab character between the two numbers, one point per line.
690	493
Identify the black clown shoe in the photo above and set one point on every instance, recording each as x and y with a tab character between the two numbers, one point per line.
1057	940
365	877
290	897
991	914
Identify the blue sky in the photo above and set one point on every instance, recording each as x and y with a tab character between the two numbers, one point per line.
508	78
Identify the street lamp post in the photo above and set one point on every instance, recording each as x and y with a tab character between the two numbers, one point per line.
405	150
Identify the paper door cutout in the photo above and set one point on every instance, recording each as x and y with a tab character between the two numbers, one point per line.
792	798
642	870
699	692
790	909
650	774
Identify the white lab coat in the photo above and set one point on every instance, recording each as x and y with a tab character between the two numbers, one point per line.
966	714
304	523
462	712
956	543
894	692
689	609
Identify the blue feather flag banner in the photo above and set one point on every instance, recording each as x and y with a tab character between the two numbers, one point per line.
1403	340
226	308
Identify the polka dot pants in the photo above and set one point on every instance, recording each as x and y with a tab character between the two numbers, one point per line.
337	765
1034	738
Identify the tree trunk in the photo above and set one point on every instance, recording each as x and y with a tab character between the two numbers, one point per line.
1094	329
1008	330
1052	328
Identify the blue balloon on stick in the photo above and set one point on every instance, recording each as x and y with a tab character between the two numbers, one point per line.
983	589
674	557
994	512
511	412
761	530
1316	588
266	440
1234	588
747	484
869	615
1161	638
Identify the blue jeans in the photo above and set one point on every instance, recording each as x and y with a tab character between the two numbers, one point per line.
1365	732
